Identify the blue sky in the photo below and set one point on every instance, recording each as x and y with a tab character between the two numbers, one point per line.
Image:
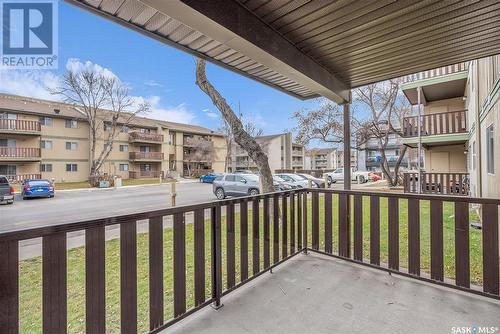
155	72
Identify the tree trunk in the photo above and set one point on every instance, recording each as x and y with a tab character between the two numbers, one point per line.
241	137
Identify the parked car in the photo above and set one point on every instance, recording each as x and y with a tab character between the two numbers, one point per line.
244	171
282	184
338	175
209	178
374	177
238	184
6	191
37	188
299	181
320	183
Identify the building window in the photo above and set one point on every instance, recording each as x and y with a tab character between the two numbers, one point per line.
123	167
71	145
124	129
7	142
71	167
46	121
123	148
107	127
46	144
8	169
47	168
71	124
145	167
490	153
171	138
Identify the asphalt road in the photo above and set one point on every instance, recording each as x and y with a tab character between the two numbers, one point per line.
68	206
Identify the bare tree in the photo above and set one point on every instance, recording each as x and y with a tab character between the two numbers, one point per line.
250	127
201	151
241	137
324	124
387	109
107	106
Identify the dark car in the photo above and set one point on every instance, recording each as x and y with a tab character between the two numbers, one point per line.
209	178
37	188
6	191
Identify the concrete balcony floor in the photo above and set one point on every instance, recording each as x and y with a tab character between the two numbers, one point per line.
318	294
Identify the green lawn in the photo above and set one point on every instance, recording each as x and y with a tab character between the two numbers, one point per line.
30	270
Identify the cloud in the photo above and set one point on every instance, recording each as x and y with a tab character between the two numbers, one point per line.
35	83
152	83
210	113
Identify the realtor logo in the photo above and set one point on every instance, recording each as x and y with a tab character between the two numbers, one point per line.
29	34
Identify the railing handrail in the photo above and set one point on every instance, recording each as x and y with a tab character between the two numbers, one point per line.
437	113
139	155
20	152
20	124
146	136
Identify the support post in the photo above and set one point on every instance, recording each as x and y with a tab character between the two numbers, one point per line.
173	193
347	146
419	128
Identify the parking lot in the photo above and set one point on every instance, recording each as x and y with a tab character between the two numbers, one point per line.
70	206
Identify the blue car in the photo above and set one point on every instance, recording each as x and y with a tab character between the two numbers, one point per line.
209	178
37	188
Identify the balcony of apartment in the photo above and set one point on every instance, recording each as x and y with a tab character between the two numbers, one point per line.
20	154
320	271
19	178
145	174
446	128
146	138
146	156
20	127
456	184
196	141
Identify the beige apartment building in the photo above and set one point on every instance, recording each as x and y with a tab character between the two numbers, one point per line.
459	116
281	152
48	139
328	158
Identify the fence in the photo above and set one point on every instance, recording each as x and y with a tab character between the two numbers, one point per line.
438	183
228	243
436	124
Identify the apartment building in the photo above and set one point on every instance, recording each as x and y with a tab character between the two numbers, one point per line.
281	152
459	117
328	158
48	139
370	156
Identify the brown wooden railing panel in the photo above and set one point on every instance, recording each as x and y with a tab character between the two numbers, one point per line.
179	265
145	174
244	240
328	222
414	236
95	289
462	262
490	249
145	155
358	227
216	255
199	256
231	250
292	223
255	237
19	125
267	244
22	177
437	183
128	277
54	283
9	285
393	209
344	226
436	124
375	230
436	236
276	231
284	227
155	272
150	137
315	221
19	152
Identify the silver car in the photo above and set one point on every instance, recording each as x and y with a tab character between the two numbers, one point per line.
299	181
240	185
236	185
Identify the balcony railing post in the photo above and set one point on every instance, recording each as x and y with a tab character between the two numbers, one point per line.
216	266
